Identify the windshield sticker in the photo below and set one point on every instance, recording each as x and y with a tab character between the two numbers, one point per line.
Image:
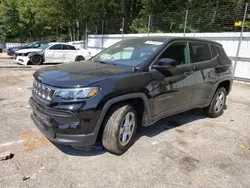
153	42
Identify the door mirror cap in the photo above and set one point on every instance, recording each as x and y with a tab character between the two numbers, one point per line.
165	63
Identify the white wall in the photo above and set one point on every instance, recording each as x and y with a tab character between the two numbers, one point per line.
242	69
78	44
229	41
8	45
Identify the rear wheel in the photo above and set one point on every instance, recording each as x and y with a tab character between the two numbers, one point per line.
79	58
36	60
120	128
215	109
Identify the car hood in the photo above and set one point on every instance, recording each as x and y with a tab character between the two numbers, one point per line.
27	50
79	74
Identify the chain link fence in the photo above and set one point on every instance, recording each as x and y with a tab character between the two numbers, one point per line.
229	25
217	19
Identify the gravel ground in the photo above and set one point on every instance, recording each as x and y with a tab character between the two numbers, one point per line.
186	150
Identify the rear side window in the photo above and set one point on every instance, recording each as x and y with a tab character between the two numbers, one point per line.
68	47
199	52
222	53
214	51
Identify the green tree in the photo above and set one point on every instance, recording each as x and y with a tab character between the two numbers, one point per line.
23	20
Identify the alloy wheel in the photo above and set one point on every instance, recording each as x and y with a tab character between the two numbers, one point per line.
220	100
127	128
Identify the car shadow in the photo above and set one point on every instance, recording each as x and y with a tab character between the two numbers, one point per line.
170	123
151	131
97	149
47	64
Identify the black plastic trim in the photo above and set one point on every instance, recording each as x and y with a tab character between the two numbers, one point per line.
120	99
73	140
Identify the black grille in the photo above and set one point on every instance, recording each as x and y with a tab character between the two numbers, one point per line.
22	54
43	91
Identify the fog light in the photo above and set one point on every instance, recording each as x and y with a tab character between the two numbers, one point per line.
74	125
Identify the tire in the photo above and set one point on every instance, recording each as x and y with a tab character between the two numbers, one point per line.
117	137
79	58
36	60
215	109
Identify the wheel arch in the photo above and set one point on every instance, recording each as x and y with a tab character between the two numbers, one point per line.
36	53
136	99
227	84
79	56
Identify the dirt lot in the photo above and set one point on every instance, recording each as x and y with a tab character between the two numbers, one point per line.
187	150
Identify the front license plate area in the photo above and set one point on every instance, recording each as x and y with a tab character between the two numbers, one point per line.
44	119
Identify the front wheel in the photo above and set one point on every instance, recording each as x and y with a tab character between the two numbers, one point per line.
215	109
36	60
120	128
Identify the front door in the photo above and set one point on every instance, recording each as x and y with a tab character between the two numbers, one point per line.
173	87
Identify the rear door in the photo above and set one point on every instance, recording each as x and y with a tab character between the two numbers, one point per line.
225	66
54	54
206	74
69	53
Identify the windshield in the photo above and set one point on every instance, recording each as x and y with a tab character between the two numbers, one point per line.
31	44
34	44
130	52
44	46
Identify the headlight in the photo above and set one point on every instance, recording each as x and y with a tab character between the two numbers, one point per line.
78	93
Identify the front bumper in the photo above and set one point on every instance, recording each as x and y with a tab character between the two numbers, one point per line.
48	120
73	140
24	60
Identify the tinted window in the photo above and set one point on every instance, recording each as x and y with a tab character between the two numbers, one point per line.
214	50
44	46
56	47
199	52
131	52
68	47
178	52
34	44
126	53
222	53
37	45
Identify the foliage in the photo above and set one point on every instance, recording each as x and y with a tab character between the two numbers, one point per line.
63	20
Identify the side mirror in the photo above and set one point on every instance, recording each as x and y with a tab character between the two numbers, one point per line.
165	63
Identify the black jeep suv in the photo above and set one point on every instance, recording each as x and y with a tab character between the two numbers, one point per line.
134	82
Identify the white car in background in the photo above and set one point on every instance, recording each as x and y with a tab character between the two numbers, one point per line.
52	53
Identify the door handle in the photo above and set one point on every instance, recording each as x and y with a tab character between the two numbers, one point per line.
217	67
189	73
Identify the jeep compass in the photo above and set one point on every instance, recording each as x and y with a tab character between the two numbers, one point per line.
135	82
